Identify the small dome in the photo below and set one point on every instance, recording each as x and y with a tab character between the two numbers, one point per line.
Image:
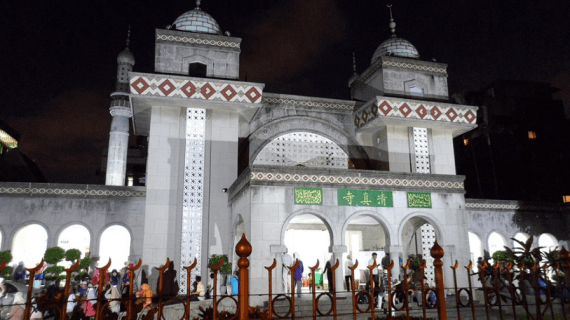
396	47
126	56
197	21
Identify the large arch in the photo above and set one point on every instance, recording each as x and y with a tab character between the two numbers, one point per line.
266	133
476	246
425	216
29	243
333	233
380	219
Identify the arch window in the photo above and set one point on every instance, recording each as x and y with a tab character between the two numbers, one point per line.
29	245
115	244
197	69
75	237
496	242
548	242
520	237
416	91
475	246
304	149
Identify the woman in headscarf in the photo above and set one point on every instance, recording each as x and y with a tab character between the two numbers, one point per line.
114	297
145	295
17	312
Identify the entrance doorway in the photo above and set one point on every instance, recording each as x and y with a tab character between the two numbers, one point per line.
418	237
309	237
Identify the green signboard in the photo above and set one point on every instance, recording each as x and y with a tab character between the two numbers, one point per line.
365	198
419	200
308	195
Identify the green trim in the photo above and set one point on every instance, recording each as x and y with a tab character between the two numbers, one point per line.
365	198
308	196
419	200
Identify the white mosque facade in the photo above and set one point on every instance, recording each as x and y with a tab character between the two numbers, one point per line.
374	173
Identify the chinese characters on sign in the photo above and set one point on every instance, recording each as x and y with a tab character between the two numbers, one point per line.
308	195
365	198
419	200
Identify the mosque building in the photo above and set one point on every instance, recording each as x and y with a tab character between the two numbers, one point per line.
323	177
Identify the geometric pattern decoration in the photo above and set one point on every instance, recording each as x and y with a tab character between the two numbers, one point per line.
72	192
305	103
510	206
421	150
215	90
354	179
193	192
427	233
405	65
302	149
191	40
413	110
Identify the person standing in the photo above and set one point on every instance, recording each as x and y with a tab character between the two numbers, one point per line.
298	275
348	273
374	275
287	262
329	271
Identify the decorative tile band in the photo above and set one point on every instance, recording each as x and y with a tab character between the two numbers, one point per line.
194	89
218	43
72	192
413	66
500	206
308	103
413	110
286	177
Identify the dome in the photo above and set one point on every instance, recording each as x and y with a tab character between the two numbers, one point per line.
197	21
126	56
396	47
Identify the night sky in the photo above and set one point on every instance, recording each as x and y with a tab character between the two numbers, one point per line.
59	57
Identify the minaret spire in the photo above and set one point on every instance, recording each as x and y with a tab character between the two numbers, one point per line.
198	4
392	24
353	62
129	36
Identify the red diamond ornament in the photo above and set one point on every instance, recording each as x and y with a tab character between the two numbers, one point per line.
405	110
228	92
139	85
189	89
166	87
253	95
207	91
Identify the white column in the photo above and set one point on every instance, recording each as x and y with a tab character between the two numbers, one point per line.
118	146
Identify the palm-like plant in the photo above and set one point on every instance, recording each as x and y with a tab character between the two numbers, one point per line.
525	253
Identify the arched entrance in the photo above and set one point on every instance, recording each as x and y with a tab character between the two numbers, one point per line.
496	242
310	238
418	237
364	235
29	245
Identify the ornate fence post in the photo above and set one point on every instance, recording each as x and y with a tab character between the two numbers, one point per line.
68	272
132	289
161	287
270	296
99	306
189	288
32	271
437	253
313	291
243	250
372	288
352	286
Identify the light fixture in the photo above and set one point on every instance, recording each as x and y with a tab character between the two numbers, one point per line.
225	190
565	199
465	141
532	135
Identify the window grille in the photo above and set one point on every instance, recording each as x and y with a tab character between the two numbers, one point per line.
193	193
303	149
428	239
421	150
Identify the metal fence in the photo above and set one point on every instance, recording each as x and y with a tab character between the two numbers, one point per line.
501	291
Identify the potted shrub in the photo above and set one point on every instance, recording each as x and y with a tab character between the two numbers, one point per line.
224	271
8	271
53	272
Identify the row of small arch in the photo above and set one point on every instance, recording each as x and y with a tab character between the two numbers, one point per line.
29	242
496	241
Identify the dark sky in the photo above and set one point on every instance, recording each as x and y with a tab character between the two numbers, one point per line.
59	57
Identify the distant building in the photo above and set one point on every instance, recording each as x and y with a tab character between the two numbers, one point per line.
14	165
517	151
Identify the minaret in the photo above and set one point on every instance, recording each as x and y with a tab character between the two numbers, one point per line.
121	112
